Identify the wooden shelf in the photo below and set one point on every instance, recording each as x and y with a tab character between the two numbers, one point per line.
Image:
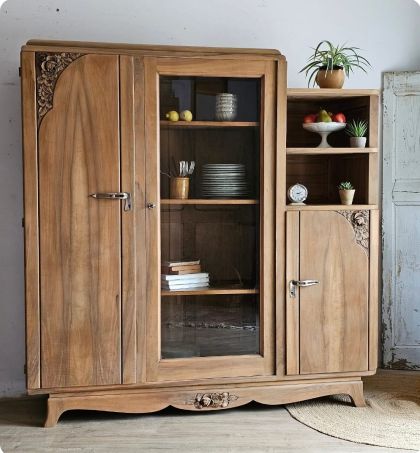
317	151
323	93
209	201
205	124
212	291
331	207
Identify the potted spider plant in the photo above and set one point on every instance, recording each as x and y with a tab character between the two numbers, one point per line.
329	65
346	191
357	129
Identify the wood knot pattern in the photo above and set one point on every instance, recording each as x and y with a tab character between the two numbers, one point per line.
359	220
49	66
212	400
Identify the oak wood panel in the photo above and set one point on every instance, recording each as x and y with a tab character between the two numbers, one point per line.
325	93
128	223
140	213
80	237
31	231
144	402
207	201
334	313
314	151
206	124
374	238
331	207
292	304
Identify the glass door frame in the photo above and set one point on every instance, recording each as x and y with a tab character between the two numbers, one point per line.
216	366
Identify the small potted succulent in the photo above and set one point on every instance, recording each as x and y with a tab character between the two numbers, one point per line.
357	129
346	191
329	64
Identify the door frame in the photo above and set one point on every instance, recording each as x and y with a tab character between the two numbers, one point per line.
226	366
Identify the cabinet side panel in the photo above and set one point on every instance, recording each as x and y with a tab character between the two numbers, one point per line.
334	313
373	290
80	237
30	167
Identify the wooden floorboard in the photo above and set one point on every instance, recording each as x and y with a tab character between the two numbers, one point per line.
253	428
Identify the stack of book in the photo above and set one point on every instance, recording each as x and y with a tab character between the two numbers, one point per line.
183	275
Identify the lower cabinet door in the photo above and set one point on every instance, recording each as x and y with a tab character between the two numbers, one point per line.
328	291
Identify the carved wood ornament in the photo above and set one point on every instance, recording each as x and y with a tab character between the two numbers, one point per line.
212	400
49	66
359	220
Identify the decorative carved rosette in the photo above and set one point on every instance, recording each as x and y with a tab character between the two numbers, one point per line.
212	400
359	220
49	66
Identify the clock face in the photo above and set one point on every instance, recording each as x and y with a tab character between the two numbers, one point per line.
297	193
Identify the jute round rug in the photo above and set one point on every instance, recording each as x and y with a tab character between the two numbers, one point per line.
391	417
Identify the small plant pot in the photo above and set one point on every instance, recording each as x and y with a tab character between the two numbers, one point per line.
179	188
330	79
358	142
346	196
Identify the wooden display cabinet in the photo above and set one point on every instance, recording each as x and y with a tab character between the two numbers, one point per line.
100	332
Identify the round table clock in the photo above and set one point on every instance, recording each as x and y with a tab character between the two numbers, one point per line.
297	194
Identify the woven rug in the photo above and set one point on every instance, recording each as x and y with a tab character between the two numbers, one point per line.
390	419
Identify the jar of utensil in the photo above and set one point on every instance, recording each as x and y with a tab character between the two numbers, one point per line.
180	184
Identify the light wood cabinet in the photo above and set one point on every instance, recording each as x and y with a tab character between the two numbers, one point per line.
100	221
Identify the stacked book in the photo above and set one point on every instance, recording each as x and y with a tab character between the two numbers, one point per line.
183	275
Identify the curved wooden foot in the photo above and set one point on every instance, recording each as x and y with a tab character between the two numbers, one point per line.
356	394
54	411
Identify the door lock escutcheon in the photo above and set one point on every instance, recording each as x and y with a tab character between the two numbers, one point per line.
302	283
115	196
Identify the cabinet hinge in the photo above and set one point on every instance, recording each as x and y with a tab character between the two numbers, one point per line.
20	71
25	369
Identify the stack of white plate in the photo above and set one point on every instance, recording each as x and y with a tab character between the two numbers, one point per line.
224	181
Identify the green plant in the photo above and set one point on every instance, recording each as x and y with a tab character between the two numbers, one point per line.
357	128
329	57
345	186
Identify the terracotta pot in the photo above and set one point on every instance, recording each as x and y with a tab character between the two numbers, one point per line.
179	188
330	79
346	196
358	142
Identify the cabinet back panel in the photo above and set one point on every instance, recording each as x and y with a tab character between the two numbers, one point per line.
80	237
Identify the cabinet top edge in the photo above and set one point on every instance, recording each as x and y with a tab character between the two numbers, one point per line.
315	93
40	44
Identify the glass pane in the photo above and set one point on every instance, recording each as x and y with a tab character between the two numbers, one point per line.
210	230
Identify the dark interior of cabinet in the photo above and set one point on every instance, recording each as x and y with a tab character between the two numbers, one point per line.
353	108
224	238
198	94
321	174
211	145
202	326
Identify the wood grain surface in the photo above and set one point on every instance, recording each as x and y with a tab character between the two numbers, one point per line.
80	237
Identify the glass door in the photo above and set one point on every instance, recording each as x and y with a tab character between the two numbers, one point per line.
211	200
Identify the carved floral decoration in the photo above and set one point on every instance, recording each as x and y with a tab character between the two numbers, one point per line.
359	220
212	400
49	67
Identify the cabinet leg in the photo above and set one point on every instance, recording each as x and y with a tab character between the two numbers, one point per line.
356	394
53	413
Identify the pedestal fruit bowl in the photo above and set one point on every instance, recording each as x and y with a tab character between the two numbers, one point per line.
324	129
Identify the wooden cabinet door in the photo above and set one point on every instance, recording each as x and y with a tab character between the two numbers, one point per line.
79	154
327	330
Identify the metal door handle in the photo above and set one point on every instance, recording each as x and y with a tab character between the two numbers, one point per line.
115	196
295	283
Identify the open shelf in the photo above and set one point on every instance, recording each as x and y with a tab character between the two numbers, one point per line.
212	291
331	207
331	150
206	124
325	93
208	201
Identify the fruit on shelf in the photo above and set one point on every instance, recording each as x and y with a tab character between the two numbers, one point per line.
339	118
186	115
311	118
172	116
323	117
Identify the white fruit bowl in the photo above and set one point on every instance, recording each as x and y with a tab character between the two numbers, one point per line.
324	129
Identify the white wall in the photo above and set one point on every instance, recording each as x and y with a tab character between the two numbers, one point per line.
387	29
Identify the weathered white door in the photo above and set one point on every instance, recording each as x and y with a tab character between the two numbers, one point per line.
401	220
